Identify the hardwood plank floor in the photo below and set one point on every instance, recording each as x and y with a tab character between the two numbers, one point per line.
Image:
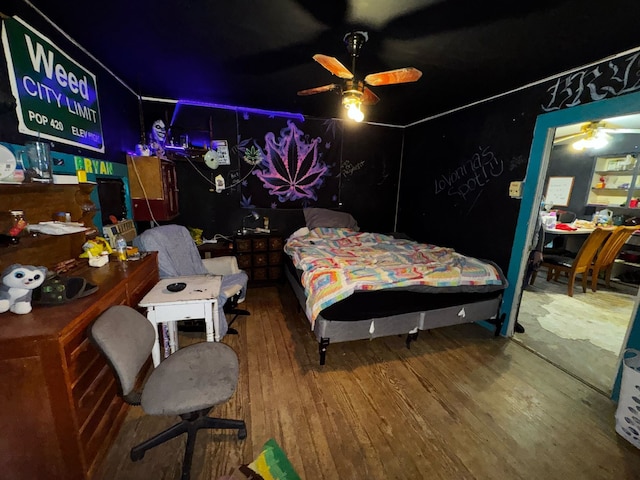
460	404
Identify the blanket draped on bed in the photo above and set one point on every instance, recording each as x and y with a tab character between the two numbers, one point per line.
337	262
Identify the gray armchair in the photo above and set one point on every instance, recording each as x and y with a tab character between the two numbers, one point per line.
179	256
189	383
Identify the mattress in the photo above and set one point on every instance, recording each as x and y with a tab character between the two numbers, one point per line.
367	304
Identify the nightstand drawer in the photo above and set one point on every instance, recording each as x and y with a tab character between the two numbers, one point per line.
243	245
260	244
275	243
259	260
244	261
275	258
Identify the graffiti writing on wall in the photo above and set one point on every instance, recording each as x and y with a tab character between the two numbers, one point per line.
615	78
471	176
347	169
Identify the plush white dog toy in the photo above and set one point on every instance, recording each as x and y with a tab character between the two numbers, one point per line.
18	284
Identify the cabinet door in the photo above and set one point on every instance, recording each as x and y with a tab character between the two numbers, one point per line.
158	177
170	188
30	422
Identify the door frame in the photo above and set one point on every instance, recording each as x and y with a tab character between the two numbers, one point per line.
543	134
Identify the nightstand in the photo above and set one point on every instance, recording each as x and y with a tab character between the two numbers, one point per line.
218	249
260	255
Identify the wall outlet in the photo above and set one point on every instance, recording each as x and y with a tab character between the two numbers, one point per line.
515	189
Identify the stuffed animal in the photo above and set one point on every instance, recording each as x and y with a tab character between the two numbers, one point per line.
18	284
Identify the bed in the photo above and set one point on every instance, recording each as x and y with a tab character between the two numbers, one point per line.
356	285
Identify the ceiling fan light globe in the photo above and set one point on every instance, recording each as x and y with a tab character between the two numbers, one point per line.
579	145
354	112
592	141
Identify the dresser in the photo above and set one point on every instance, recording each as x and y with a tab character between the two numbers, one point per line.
260	255
59	405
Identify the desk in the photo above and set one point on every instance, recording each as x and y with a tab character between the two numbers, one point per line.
60	411
197	300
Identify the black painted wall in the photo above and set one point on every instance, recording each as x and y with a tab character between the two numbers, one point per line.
457	168
456	174
118	105
365	170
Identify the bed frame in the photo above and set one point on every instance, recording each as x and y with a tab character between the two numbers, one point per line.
327	331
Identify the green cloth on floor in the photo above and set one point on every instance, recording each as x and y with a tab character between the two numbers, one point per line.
272	463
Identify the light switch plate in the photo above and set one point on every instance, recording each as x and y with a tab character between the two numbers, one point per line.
515	189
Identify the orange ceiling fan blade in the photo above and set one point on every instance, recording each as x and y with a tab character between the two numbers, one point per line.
323	88
369	98
401	75
333	65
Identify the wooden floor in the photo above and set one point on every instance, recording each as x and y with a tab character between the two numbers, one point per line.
460	404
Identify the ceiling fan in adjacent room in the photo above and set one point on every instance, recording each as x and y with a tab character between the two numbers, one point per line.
592	135
353	90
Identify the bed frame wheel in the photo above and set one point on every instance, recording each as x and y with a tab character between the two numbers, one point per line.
322	348
498	322
411	337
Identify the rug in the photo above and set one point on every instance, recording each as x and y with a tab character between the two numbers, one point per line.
582	334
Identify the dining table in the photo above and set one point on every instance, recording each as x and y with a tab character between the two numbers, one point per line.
569	238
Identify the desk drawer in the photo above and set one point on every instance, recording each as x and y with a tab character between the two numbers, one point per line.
167	313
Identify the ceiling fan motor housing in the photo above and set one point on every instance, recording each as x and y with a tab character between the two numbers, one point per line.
352	92
354	42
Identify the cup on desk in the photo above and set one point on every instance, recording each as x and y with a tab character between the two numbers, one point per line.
549	221
36	162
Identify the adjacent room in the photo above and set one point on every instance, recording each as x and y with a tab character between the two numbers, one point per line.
584	333
295	239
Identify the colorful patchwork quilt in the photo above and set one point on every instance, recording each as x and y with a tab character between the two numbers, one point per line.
336	262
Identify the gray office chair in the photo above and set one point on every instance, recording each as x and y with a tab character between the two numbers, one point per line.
188	383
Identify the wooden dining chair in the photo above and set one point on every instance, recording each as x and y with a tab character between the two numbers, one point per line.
581	264
608	254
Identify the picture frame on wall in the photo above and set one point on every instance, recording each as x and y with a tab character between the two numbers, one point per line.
558	191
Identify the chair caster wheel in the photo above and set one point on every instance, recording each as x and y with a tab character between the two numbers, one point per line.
242	433
136	455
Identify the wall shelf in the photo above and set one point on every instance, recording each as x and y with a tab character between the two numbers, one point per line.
612	186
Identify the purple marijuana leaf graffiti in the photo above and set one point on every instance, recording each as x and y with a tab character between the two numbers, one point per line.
292	169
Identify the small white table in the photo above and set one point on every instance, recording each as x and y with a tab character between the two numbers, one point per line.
198	300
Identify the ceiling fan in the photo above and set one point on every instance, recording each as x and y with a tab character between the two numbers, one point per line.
592	135
354	90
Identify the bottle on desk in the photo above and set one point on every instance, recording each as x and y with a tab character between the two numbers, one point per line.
121	248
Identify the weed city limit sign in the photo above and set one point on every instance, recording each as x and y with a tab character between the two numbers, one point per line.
57	98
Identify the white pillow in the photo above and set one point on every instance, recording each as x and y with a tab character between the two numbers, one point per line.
300	232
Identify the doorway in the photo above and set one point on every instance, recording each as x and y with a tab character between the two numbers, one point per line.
582	334
547	126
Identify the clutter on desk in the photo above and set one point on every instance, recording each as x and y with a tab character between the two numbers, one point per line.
57	228
584	224
95	247
549	219
603	217
57	289
98	261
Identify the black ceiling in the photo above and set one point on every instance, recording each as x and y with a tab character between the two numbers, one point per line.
259	53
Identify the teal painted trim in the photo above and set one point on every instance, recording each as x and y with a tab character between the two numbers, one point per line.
67	164
532	194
